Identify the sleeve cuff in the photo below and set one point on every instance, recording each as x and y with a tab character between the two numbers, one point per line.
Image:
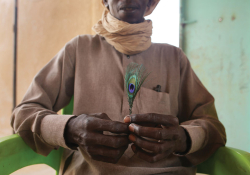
52	129
197	136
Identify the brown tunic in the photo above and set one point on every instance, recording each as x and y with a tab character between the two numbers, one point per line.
93	71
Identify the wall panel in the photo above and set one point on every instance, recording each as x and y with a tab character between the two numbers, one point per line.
44	28
217	42
6	59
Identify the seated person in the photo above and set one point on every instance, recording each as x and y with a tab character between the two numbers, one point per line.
172	129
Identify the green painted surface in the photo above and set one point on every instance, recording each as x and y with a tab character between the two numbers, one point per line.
226	161
69	108
15	154
218	46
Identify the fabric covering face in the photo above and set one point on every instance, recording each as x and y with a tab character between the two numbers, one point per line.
129	39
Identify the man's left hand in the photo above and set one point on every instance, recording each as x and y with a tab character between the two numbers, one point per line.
169	137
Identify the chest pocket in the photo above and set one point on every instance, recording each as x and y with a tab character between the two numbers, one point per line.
150	101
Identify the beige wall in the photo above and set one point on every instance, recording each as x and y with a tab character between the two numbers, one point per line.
6	71
44	28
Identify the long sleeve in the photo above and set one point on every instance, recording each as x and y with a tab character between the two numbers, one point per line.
36	119
197	114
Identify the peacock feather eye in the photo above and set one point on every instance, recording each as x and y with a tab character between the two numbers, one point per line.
134	78
131	88
131	85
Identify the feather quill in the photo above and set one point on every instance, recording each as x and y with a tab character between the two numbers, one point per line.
134	78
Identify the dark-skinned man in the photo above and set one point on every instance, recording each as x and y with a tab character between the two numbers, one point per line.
171	131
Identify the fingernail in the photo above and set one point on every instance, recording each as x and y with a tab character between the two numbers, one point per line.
131	128
132	138
133	148
127	119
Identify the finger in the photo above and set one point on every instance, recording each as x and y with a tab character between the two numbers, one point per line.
154	133
150	157
111	126
106	151
166	120
92	139
155	147
96	124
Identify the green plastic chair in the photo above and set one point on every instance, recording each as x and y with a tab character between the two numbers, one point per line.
15	154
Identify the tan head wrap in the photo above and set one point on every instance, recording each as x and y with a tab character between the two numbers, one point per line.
152	7
129	39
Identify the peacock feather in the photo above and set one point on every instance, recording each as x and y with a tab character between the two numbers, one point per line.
134	78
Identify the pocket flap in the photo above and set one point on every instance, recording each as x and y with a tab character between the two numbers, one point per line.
150	101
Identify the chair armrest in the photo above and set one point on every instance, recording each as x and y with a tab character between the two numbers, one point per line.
227	161
15	154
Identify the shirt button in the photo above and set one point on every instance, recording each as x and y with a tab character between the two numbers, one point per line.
128	56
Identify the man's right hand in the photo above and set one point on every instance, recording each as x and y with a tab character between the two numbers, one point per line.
86	131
